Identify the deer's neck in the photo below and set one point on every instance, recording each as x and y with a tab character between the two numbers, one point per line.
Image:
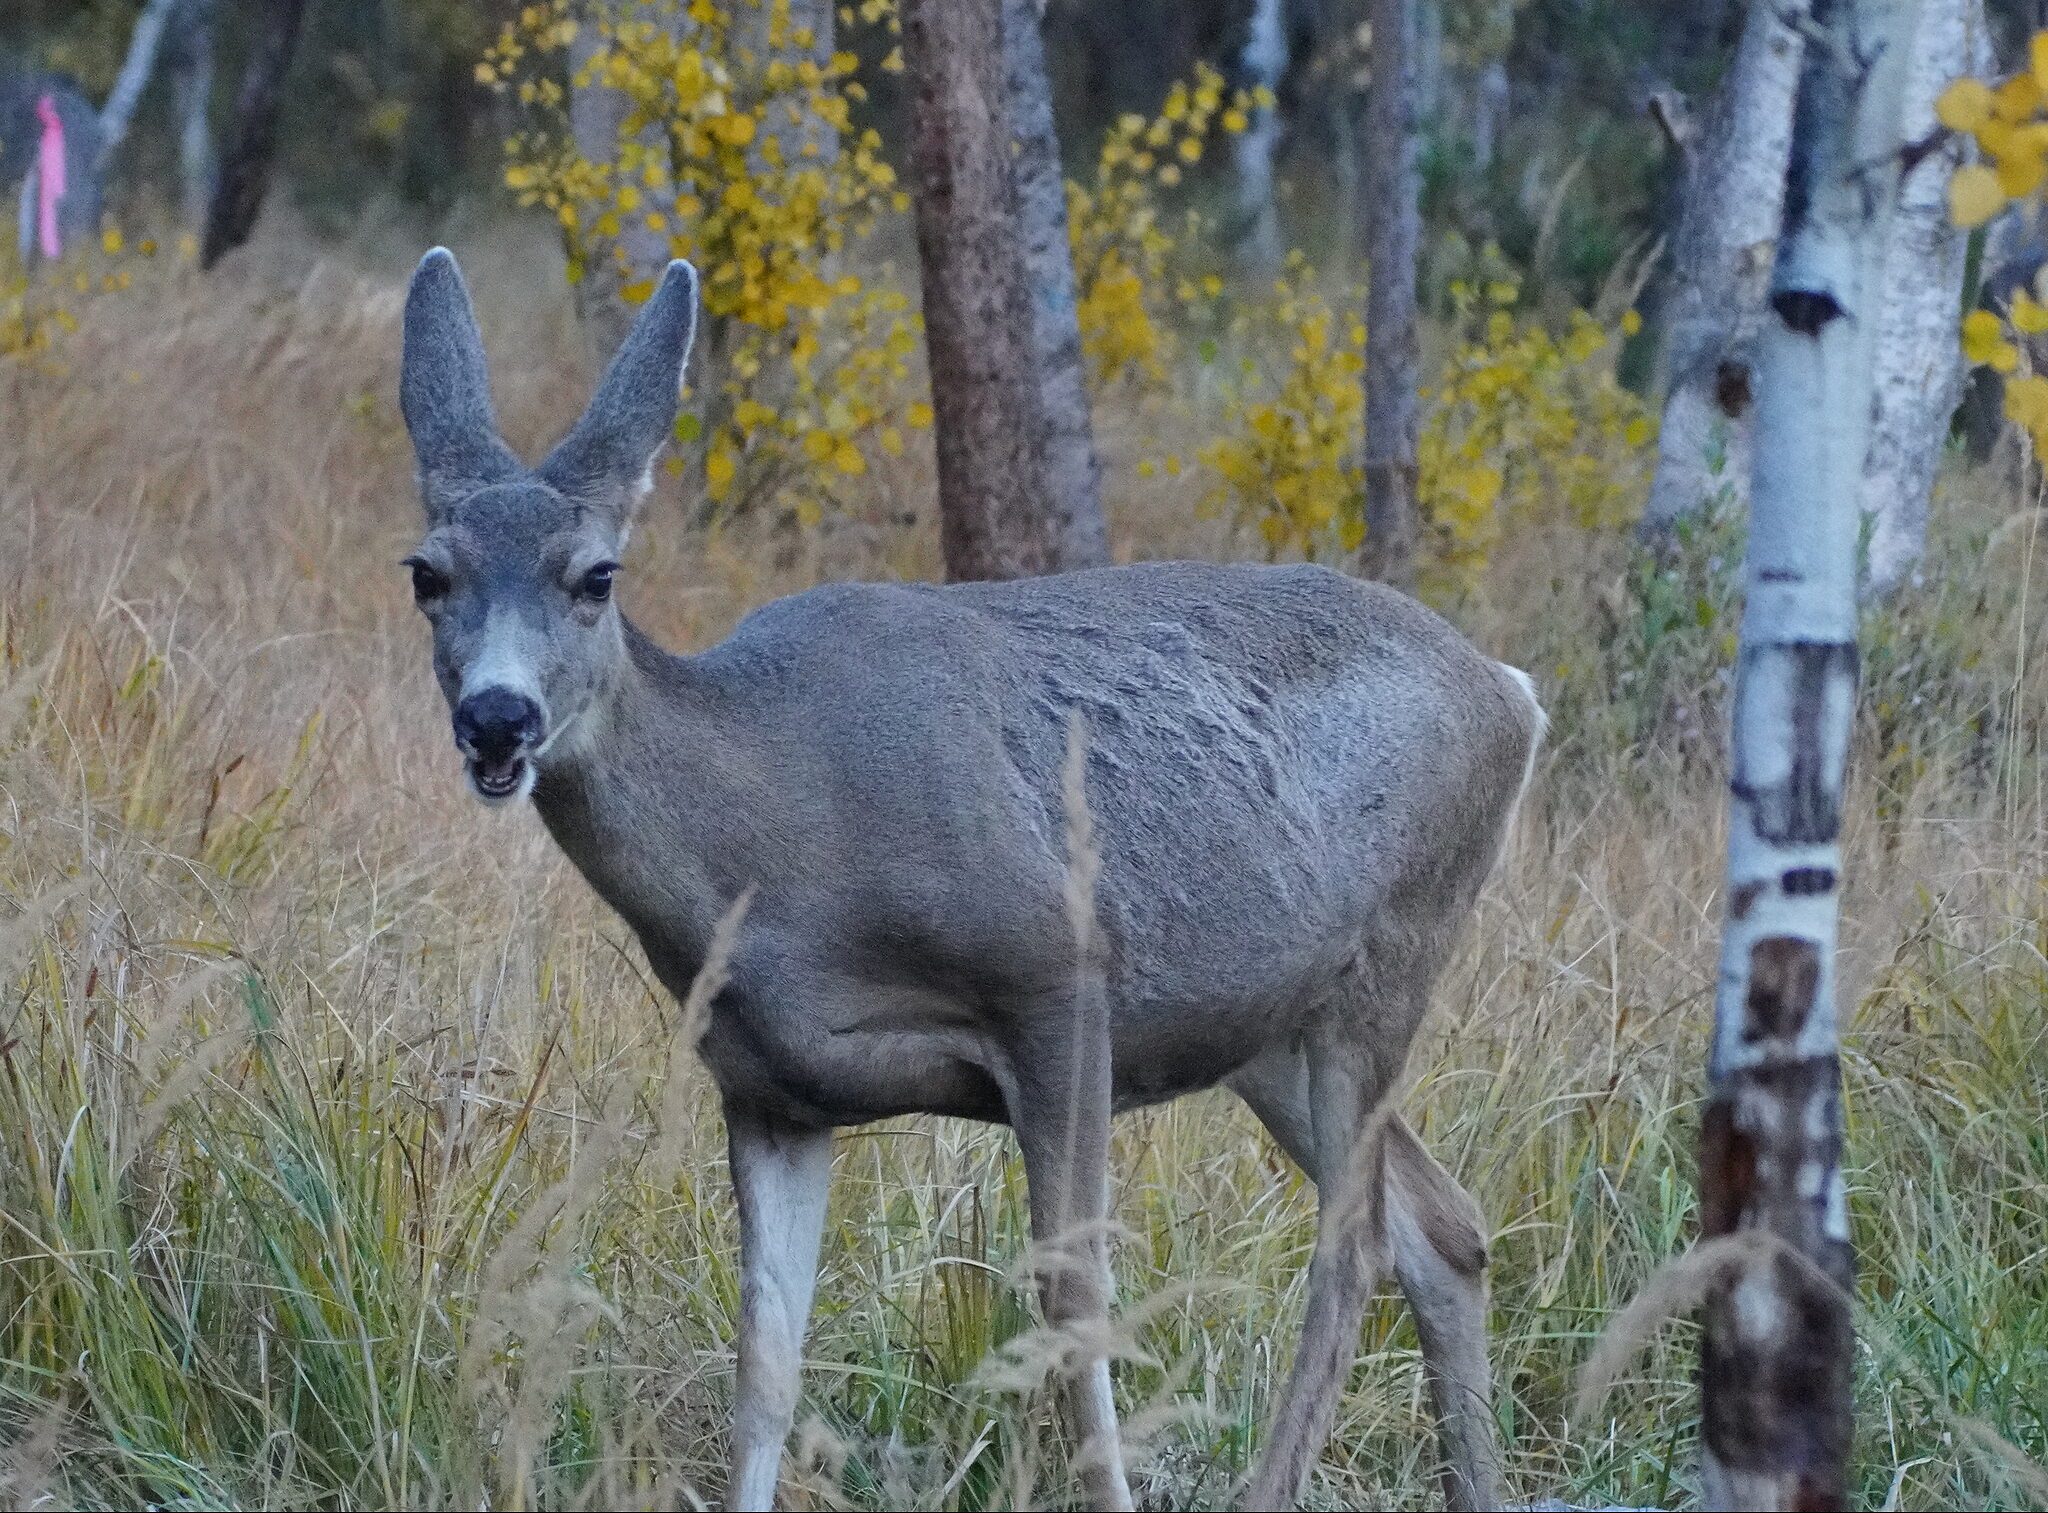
645	804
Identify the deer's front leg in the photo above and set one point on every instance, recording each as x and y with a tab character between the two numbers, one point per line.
780	1174
1060	1108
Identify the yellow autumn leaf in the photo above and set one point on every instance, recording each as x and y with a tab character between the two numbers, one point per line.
718	473
1982	335
2037	59
1965	105
2028	314
2016	99
2026	402
1974	196
2023	172
1984	343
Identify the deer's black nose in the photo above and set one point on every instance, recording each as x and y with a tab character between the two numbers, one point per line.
496	724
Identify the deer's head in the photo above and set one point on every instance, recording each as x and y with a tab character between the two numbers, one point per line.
516	570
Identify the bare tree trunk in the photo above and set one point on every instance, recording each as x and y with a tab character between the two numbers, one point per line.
994	517
597	119
191	69
1261	65
1489	110
1723	264
1918	364
252	137
1072	474
145	45
1776	1350
805	32
1393	241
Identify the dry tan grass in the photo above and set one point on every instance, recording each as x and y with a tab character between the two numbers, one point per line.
346	1155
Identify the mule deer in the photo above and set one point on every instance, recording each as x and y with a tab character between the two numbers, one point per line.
1299	781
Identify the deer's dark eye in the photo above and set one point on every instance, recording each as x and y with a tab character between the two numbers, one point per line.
597	583
428	581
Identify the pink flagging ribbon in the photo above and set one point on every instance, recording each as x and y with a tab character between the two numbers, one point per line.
49	178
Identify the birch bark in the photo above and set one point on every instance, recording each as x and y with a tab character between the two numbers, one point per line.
1261	65
1918	363
191	69
145	44
1723	256
1777	1342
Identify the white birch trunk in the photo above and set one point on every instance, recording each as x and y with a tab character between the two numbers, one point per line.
1777	1340
1723	265
1261	64
1489	110
1918	364
1073	476
145	43
191	69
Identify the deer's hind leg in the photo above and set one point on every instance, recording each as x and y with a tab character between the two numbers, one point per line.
1438	1238
1432	1231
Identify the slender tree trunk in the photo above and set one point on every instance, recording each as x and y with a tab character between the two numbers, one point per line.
994	517
788	32
1261	65
1073	475
1918	365
1426	58
1393	241
1776	1350
191	69
252	137
1489	111
1722	260
597	120
145	45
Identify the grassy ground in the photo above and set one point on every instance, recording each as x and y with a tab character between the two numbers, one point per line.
345	1157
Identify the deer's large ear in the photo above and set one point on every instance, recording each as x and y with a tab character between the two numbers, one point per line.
606	461
444	389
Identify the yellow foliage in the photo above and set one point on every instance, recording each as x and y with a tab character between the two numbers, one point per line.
1122	246
1522	425
750	165
2004	122
1288	463
40	307
1965	105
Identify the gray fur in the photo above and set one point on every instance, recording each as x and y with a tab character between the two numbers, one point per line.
1299	783
604	460
444	388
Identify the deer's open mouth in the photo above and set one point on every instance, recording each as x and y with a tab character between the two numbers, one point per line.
501	779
